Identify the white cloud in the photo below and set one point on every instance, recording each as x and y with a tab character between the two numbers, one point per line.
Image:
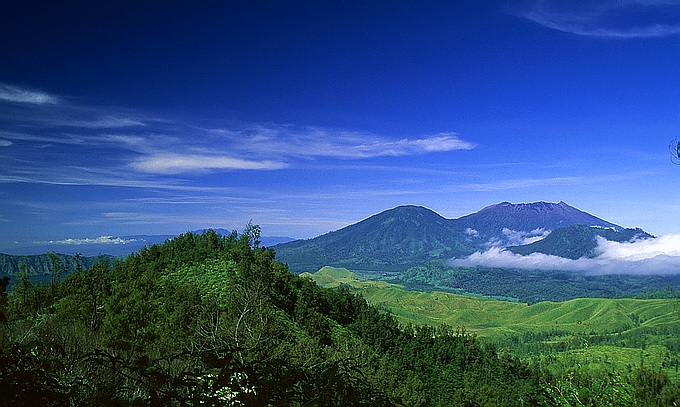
96	240
180	163
652	256
605	18
472	232
517	238
133	143
313	142
18	95
666	245
368	147
284	143
106	122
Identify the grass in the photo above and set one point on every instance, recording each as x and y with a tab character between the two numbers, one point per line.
647	328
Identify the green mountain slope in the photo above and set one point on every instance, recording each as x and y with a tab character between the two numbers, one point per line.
490	221
596	332
392	240
215	321
489	317
576	241
41	264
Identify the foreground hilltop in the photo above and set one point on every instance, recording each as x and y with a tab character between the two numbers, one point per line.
399	238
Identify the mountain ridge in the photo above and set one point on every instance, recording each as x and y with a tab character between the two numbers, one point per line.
407	235
390	240
577	241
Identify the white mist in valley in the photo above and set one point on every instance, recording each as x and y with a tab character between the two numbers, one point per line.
657	256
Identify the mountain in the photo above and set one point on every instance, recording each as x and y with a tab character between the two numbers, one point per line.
118	246
497	222
399	238
41	264
392	240
576	241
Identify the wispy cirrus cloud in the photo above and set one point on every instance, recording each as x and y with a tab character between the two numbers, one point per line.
103	122
606	18
134	144
546	181
337	143
372	146
15	94
172	163
273	147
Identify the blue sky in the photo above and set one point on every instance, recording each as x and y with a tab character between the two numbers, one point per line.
120	118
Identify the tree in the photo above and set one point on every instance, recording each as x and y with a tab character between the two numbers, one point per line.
56	268
24	287
4	283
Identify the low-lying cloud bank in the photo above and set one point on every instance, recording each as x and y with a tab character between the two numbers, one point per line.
89	240
658	256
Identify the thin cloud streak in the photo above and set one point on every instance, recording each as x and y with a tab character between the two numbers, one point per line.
105	122
180	163
607	19
106	180
508	184
16	94
313	142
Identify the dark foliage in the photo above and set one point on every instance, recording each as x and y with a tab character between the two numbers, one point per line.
214	320
533	285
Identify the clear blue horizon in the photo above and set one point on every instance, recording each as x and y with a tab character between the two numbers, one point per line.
131	118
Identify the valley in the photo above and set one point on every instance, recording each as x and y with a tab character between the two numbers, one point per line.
618	333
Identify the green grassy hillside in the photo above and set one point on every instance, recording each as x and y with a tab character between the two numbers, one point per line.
483	315
620	332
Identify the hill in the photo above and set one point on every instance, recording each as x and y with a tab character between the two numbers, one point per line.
214	320
491	317
576	241
392	240
405	236
41	264
597	331
531	285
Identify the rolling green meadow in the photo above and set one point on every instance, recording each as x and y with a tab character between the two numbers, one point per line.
602	333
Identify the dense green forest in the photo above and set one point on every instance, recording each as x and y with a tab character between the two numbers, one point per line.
47	264
534	285
215	320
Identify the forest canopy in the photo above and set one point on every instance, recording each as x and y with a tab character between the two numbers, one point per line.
207	319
